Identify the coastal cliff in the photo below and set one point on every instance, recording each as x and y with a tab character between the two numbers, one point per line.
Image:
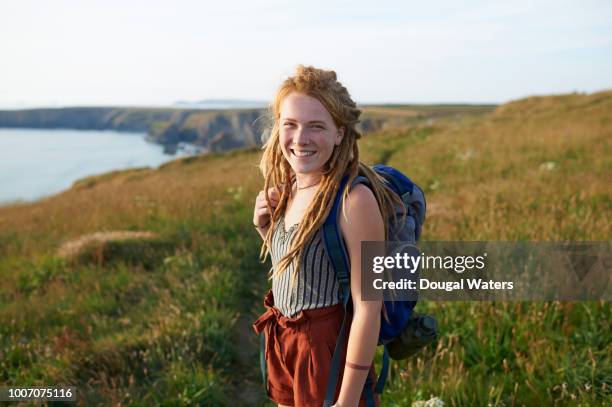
211	130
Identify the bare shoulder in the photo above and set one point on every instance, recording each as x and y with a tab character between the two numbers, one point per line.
363	216
361	198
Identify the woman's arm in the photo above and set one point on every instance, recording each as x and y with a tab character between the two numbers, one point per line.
364	223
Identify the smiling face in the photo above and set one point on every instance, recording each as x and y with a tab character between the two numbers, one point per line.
308	133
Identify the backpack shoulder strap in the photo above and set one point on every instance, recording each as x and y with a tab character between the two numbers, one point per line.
336	250
334	243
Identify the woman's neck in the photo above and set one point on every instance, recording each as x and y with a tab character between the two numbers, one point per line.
307	180
305	187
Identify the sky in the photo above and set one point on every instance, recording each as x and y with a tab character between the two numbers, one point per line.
154	53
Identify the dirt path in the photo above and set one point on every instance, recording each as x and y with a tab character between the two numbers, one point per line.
249	387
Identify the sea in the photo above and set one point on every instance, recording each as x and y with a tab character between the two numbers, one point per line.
35	163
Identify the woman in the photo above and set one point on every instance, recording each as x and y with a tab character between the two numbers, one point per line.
311	147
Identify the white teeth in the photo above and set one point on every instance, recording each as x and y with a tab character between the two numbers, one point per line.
303	153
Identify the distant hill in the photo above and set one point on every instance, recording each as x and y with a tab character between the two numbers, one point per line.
213	130
213	126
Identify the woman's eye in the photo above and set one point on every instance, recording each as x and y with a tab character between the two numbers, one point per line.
319	127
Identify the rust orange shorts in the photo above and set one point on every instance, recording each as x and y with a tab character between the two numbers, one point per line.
299	352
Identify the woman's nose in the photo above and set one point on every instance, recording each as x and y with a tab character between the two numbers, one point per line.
301	136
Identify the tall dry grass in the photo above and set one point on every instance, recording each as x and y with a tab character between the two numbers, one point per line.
171	327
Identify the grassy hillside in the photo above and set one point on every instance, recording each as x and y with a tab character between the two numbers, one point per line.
164	318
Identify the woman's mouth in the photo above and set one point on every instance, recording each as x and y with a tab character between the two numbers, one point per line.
302	153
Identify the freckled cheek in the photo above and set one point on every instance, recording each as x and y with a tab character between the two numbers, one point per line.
286	138
285	142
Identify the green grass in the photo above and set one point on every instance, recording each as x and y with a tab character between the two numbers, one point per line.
167	321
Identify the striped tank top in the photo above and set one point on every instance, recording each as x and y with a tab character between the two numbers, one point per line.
315	286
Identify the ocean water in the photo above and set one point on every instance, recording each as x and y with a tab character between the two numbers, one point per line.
35	163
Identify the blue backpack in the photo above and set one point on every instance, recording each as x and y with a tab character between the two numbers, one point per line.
399	312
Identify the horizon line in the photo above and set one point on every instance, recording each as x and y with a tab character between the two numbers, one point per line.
182	104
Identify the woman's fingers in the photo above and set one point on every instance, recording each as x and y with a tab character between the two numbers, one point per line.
274	195
261	205
261	202
261	213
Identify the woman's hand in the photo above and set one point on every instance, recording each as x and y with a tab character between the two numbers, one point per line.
261	214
